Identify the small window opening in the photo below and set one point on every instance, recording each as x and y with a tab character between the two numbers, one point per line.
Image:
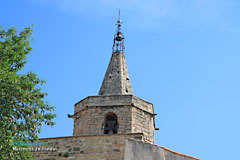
127	78
111	124
118	72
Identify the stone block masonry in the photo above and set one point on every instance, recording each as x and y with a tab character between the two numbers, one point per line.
134	115
103	147
137	150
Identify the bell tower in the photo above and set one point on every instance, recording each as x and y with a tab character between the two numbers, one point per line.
115	110
118	41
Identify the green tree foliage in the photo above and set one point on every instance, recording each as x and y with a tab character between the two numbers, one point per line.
22	106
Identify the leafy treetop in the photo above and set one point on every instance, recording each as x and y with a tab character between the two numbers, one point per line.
22	105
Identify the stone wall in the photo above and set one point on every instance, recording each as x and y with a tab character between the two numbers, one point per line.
170	155
137	150
102	147
91	120
142	122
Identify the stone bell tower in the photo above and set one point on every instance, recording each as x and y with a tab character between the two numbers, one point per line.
115	110
113	125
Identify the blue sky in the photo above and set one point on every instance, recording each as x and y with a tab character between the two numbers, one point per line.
183	56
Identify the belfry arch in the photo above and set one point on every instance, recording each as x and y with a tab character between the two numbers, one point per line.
110	124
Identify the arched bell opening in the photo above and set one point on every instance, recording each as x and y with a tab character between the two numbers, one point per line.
110	124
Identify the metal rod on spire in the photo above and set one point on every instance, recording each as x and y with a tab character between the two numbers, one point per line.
119	22
119	15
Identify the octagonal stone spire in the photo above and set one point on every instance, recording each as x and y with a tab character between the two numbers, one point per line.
116	80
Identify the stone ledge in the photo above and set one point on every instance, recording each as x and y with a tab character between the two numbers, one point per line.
104	135
121	95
